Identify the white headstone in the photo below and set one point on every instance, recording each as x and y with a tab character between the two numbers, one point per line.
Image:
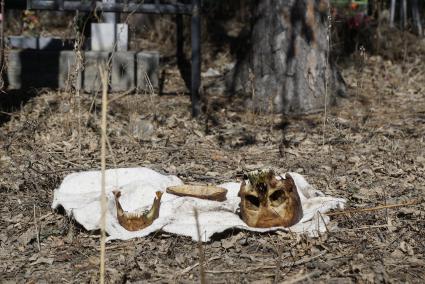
105	36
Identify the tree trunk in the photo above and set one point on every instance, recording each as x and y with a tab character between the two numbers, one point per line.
285	69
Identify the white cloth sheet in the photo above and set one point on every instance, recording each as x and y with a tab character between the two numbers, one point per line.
79	195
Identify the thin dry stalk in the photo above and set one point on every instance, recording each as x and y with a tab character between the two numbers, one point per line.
362	52
104	77
282	265
251	77
303	277
189	268
2	45
328	35
347	212
74	78
364	228
37	231
151	94
386	209
324	223
200	248
114	161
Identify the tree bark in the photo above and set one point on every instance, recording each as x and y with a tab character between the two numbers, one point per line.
285	67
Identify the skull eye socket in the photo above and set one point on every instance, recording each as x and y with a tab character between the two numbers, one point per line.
253	201
276	198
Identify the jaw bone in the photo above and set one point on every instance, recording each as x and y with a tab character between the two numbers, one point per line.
134	221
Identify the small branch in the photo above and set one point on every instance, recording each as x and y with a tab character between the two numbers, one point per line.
37	232
364	228
122	95
2	45
104	78
302	277
350	211
114	161
189	268
324	223
201	250
283	265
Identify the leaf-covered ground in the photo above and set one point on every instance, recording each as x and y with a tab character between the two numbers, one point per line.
368	149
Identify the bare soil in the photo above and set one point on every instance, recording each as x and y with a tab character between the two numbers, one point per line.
368	149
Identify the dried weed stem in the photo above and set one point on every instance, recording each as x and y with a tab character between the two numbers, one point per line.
260	268
37	231
200	248
3	84
104	78
350	211
327	70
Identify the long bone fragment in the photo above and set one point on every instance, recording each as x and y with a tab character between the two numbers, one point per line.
209	192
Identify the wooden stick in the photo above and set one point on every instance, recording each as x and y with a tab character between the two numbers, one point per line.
104	79
189	268
2	55
37	231
200	247
302	277
364	228
350	211
282	265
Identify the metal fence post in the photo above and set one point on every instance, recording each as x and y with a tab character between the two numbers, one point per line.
392	14
416	17
109	17
3	75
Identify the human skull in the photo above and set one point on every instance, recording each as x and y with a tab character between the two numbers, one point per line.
269	201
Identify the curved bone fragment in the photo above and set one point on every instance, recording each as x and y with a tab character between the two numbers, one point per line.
268	201
209	192
134	221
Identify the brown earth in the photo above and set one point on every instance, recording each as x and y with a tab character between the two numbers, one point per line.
368	149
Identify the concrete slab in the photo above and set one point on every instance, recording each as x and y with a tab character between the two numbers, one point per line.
67	71
14	69
123	75
147	64
104	36
48	68
39	43
91	75
52	69
32	69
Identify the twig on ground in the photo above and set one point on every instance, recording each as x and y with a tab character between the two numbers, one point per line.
302	277
122	95
37	231
324	223
283	265
350	211
58	171
365	228
189	268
